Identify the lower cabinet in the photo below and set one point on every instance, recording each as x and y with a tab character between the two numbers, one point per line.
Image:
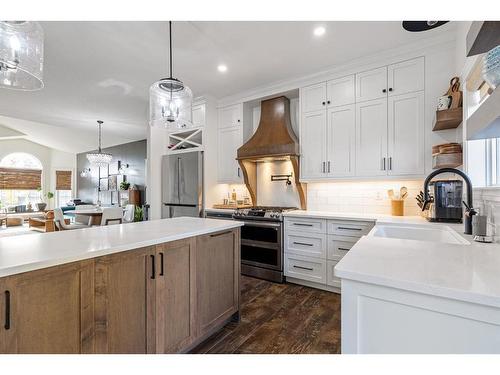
48	311
158	299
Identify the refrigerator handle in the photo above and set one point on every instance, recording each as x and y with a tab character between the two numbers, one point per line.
178	179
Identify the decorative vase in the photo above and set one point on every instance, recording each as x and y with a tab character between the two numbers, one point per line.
41	206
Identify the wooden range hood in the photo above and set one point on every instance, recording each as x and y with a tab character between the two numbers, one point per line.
273	140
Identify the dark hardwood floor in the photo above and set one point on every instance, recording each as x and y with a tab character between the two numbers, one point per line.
280	318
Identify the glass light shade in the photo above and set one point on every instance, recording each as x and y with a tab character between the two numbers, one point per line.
99	159
21	55
170	104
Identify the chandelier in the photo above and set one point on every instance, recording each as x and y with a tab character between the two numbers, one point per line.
170	100
21	55
99	158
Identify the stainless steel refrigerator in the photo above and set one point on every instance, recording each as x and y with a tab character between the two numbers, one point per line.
182	185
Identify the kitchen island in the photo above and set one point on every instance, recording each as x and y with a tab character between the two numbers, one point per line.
160	286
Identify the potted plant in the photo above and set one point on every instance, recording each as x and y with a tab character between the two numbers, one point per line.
41	206
124	185
138	214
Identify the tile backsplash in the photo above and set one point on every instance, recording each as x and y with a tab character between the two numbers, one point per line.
369	197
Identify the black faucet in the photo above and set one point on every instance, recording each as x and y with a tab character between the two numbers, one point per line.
469	210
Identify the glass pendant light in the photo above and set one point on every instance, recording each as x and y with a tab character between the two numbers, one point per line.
170	101
21	55
99	158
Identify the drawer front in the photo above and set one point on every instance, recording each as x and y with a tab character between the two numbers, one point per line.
349	228
305	225
305	268
338	246
313	245
331	279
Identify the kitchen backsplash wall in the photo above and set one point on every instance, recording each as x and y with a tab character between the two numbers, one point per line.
367	197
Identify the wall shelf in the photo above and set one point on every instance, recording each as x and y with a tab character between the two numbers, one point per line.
448	119
185	140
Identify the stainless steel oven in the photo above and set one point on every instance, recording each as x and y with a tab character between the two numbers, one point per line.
261	244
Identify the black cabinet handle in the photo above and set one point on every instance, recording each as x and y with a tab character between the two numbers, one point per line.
390	88
153	268
384	90
7	310
323	103
161	264
303	225
345	228
220	234
304	268
328	102
303	243
342	248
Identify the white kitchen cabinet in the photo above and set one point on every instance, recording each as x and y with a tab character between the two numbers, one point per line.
305	268
313	98
371	138
341	141
406	134
313	144
306	244
231	116
340	91
229	140
198	115
371	84
406	76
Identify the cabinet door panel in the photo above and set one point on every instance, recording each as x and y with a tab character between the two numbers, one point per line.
230	139
50	311
217	275
313	145
371	138
173	292
198	115
341	141
124	302
313	97
341	91
230	116
406	134
407	76
371	84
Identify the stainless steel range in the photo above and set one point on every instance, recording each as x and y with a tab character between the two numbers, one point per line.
262	250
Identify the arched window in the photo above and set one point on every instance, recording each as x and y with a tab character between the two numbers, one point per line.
21	160
20	181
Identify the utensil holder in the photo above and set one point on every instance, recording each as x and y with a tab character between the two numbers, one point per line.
397	207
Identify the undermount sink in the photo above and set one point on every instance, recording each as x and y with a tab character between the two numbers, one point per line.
420	233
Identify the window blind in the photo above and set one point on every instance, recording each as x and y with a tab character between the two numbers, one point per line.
63	180
20	179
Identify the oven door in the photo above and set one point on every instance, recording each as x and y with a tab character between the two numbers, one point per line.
261	244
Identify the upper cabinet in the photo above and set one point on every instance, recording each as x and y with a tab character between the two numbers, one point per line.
332	93
369	124
371	84
198	114
407	76
231	116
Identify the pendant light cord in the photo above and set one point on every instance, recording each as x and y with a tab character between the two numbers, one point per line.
170	48
99	122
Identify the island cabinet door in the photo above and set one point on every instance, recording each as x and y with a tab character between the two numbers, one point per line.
174	315
48	311
217	274
125	302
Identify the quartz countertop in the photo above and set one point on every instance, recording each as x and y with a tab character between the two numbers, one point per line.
35	251
466	272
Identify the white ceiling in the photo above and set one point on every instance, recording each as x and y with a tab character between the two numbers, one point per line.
103	70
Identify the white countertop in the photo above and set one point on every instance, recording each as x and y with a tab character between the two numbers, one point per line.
464	272
35	251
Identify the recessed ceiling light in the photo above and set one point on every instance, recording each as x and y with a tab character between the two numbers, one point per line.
319	31
222	68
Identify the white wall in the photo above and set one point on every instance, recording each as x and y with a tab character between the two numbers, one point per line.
51	159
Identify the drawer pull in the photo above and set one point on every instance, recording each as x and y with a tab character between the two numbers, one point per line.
345	228
7	310
303	244
220	234
153	268
304	268
343	248
303	225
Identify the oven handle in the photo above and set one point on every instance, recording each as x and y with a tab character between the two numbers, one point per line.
261	224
